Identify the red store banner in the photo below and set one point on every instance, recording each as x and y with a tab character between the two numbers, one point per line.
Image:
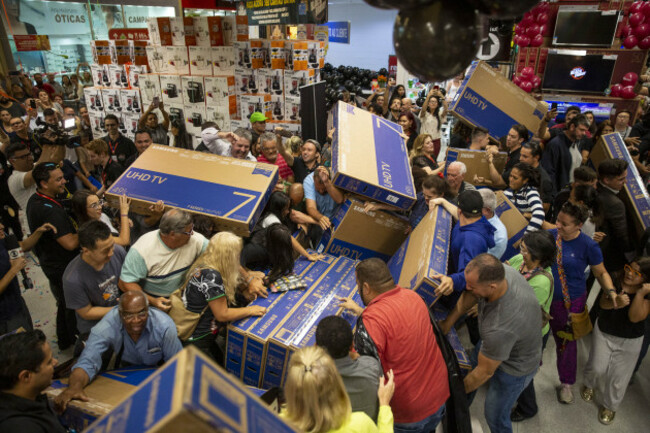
32	42
128	34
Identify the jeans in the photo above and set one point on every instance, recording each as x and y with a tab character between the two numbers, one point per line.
527	401
427	425
501	396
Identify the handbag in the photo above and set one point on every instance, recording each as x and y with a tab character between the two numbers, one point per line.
288	282
578	324
186	321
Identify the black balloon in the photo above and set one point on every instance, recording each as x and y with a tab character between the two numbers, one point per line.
396	4
503	8
438	41
420	101
349	85
384	71
341	68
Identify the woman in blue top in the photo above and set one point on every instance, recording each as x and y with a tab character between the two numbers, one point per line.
575	252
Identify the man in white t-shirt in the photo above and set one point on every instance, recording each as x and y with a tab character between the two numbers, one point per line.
235	144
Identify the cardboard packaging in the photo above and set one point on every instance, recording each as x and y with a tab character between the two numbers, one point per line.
111	101
232	192
118	76
251	103
208	31
94	102
277	108
131	124
239	123
292	108
108	390
297	55
296	79
139	52
103	53
200	60
218	115
178	60
160	31
176	112
246	81
97	124
369	157
130	101
178	31
361	235
133	73
634	194
220	93
172	89
478	169
271	81
316	54
514	221
150	88
424	253
190	35
229	26
241	27
243	54
277	54
123	51
193	90
156	58
259	52
223	60
101	75
488	99
191	393
194	117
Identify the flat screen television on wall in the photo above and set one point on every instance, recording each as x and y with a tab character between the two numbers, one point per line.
585	28
591	73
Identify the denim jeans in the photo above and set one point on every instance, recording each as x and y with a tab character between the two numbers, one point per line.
427	425
504	389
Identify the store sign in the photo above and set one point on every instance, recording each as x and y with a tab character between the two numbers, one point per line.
136	16
339	31
496	41
392	66
264	12
32	42
128	34
45	18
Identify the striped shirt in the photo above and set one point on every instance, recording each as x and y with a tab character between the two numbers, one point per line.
527	200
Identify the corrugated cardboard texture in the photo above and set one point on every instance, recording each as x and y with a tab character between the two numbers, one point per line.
514	221
231	191
478	168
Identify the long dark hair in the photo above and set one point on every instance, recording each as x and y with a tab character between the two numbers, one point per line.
436	111
280	250
183	139
541	246
80	205
277	204
528	173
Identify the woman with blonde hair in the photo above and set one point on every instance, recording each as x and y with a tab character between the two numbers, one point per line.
316	400
422	155
211	286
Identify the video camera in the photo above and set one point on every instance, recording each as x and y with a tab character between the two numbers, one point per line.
59	136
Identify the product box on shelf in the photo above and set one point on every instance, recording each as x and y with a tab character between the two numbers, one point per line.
191	393
194	118
149	88
130	101
293	80
190	35
193	90
111	101
360	235
277	54
176	112
246	81
177	26
229	27
139	52
94	102
241	27
478	169
514	221
370	158
102	53
123	51
100	75
219	115
230	191
218	88
200	60
156	58
97	123
316	54
178	60
236	123
271	81
424	253
160	30
223	60
243	54
171	87
133	72
488	99
292	108
297	55
131	124
277	108
250	103
118	76
208	31
259	52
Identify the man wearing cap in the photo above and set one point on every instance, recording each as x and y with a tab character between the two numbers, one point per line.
258	125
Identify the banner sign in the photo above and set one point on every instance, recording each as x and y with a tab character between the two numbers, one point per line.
339	31
32	42
128	34
264	12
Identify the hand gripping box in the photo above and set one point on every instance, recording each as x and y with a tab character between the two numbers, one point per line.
190	393
478	169
439	313
360	235
369	157
514	221
424	253
488	99
233	192
108	390
634	194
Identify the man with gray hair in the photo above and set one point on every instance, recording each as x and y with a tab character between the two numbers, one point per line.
270	155
157	262
456	180
501	233
139	335
236	144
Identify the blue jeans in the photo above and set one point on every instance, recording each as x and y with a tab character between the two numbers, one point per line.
501	396
427	425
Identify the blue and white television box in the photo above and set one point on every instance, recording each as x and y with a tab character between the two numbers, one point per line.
370	158
464	362
233	192
488	99
191	393
424	253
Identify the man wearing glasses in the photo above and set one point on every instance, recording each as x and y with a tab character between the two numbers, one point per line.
139	335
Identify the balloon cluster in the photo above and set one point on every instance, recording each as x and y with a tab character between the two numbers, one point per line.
527	80
530	30
637	30
437	39
350	78
625	89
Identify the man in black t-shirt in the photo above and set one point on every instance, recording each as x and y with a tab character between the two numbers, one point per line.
306	163
55	249
106	170
120	147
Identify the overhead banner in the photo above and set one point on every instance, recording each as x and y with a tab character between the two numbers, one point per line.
339	31
32	42
265	12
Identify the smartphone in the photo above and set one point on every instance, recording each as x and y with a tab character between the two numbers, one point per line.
32	103
156	101
554	106
69	123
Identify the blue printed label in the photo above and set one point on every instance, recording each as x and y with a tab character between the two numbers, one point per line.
393	170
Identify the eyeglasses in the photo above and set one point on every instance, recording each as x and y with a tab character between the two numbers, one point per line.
190	233
24	157
97	204
631	270
129	317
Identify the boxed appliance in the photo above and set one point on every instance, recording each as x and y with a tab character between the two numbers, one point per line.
133	73
259	52
296	55
219	115
514	221
178	60
193	90
130	101
123	51
251	103
176	112
292	108
149	88
118	76
208	31
478	169
271	81
139	52
190	35
131	121
200	60
93	98
102	53
293	80
156	58
488	99
160	31
316	54
223	60
277	54
97	124
277	107
424	253
229	30
246	81
369	157
194	118
232	192
243	54
101	75
111	101
171	89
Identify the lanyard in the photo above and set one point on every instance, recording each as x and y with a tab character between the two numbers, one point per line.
112	146
50	199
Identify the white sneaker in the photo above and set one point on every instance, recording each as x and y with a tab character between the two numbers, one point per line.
565	394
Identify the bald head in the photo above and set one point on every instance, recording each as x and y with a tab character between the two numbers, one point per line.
407	104
296	193
133	300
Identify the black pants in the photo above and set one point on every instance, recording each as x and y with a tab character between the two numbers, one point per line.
527	401
208	345
66	322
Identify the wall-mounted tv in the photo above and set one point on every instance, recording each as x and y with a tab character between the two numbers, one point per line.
590	73
585	28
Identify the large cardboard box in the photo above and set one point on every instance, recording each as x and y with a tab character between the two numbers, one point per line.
424	253
172	89
233	192
439	313
160	31
369	157
190	393
105	392
178	60
514	221
478	169
488	99
208	31
360	235
200	60
634	194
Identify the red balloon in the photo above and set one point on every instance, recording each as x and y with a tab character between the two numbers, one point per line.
527	72
520	30
628	92
635	7
542	29
642	30
528	19
626	31
645	9
541	18
526	86
644	43
630	42
524	41
533	30
537	41
543	7
536	81
636	19
616	91
629	79
517	80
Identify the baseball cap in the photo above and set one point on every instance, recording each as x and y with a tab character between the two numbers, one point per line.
470	202
258	117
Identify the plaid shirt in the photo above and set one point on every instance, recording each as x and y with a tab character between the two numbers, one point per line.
284	169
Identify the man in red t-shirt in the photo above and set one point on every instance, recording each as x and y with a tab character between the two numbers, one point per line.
270	155
396	329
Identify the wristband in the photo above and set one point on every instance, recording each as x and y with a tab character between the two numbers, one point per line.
248	281
124	214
